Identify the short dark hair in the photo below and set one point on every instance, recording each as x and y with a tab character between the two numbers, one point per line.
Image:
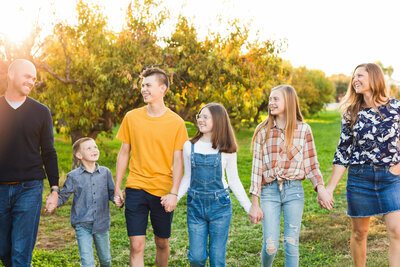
77	145
161	75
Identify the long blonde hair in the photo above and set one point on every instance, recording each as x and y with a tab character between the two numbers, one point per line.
353	102
292	114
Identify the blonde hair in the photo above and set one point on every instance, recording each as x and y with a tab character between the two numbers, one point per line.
352	102
292	114
77	146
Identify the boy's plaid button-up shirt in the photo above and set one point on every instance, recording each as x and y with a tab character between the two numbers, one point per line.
271	162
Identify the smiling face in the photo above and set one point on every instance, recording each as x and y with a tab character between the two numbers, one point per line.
22	78
88	151
205	121
152	90
360	81
276	103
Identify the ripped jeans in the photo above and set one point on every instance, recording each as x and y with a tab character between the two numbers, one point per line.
291	201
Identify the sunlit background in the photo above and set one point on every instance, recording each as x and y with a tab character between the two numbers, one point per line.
333	36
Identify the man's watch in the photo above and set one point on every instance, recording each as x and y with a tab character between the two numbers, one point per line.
55	189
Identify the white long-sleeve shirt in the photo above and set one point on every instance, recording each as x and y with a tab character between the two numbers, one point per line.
229	164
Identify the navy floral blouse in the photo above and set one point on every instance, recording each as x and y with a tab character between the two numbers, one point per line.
374	138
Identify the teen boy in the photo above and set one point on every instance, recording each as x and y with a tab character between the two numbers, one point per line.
93	188
153	137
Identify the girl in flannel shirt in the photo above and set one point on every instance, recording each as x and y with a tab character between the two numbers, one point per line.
283	155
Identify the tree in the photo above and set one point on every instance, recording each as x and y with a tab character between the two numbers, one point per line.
191	64
217	69
92	72
79	62
388	71
9	51
341	83
313	88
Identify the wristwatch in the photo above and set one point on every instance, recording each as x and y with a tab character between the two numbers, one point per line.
55	189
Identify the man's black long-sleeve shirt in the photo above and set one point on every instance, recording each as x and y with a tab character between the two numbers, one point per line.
27	143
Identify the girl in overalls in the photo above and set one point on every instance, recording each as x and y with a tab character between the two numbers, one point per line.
283	155
207	156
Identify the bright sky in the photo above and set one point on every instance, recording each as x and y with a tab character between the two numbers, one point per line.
330	35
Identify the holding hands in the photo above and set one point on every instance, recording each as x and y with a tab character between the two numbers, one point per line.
119	197
255	213
325	197
52	200
169	202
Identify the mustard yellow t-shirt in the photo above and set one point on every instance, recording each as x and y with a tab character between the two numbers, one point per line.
153	141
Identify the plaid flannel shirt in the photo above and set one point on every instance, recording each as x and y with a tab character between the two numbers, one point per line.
271	162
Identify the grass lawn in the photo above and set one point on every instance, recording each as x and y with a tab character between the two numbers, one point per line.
324	239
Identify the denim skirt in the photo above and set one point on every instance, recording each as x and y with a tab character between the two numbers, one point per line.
372	190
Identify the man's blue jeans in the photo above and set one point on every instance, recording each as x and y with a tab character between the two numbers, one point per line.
85	243
20	206
291	201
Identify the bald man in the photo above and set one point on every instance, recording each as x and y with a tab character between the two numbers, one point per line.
26	146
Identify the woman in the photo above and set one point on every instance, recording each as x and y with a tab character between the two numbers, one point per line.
368	145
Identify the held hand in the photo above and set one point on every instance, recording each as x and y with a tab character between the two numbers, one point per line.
255	214
51	202
325	198
119	198
169	202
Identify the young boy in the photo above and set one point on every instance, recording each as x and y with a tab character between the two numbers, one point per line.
153	137
92	186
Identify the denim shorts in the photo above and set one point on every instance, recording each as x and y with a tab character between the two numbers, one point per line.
138	204
372	190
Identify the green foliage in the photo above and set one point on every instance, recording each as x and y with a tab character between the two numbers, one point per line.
313	88
92	72
341	83
89	75
386	70
82	79
229	70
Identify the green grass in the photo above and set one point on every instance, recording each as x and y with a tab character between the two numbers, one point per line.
324	238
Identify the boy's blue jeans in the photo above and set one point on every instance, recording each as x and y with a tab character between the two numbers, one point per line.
291	201
85	243
20	206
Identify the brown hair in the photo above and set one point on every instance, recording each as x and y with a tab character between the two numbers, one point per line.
292	114
352	102
223	137
161	75
77	146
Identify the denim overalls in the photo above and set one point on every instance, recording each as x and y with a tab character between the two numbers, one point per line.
209	210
